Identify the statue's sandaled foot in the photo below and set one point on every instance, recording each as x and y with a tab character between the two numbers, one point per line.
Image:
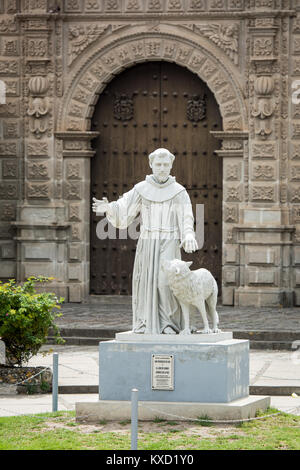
139	330
169	331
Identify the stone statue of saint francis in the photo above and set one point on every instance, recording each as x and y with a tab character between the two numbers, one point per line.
167	224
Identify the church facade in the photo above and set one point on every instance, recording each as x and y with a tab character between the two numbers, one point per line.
90	87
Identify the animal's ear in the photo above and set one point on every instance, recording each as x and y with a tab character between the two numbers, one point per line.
189	263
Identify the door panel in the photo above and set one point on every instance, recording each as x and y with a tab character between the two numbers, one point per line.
151	105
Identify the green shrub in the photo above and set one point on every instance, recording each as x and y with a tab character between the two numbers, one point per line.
26	317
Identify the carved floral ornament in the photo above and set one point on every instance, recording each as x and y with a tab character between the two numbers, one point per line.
224	36
263	107
39	105
102	66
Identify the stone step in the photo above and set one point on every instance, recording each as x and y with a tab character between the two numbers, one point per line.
272	340
272	345
271	335
107	333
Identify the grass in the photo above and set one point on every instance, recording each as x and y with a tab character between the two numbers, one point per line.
60	431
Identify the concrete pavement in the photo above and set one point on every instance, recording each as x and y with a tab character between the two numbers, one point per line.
78	366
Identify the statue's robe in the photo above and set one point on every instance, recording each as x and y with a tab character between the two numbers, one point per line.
166	219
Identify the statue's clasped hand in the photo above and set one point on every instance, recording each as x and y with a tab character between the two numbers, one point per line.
189	244
100	205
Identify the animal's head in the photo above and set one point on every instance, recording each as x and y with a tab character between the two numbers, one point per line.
176	267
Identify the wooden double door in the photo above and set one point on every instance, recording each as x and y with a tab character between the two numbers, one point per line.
152	105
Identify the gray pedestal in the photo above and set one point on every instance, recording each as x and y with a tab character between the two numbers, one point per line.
203	372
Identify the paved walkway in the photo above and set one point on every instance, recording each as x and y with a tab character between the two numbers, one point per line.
34	404
78	365
116	313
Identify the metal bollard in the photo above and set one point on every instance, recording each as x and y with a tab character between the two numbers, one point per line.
55	382
134	419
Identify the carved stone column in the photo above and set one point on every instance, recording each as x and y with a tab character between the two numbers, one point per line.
264	235
42	230
10	131
234	154
74	148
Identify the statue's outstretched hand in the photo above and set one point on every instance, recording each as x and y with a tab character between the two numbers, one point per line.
100	206
189	244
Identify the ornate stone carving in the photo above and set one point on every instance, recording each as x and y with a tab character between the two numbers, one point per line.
92	5
75	232
36	47
38	190
73	5
72	191
263	193
8	149
133	5
262	109
263	172
262	47
10	109
39	106
109	63
295	194
231	145
112	5
9	169
8	190
80	37
10	47
37	149
232	172
295	154
224	36
174	5
11	129
233	194
74	213
197	5
73	170
8	25
295	173
7	212
296	214
196	108
38	170
9	67
231	214
123	107
264	150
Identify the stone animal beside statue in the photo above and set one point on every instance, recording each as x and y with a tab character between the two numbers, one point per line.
193	288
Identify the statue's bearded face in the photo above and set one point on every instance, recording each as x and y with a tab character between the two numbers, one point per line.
161	167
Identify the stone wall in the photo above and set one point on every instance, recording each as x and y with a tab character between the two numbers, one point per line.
56	64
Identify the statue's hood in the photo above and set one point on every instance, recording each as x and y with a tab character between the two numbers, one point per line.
158	192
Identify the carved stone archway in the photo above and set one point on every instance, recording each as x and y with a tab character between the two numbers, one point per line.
90	76
93	72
